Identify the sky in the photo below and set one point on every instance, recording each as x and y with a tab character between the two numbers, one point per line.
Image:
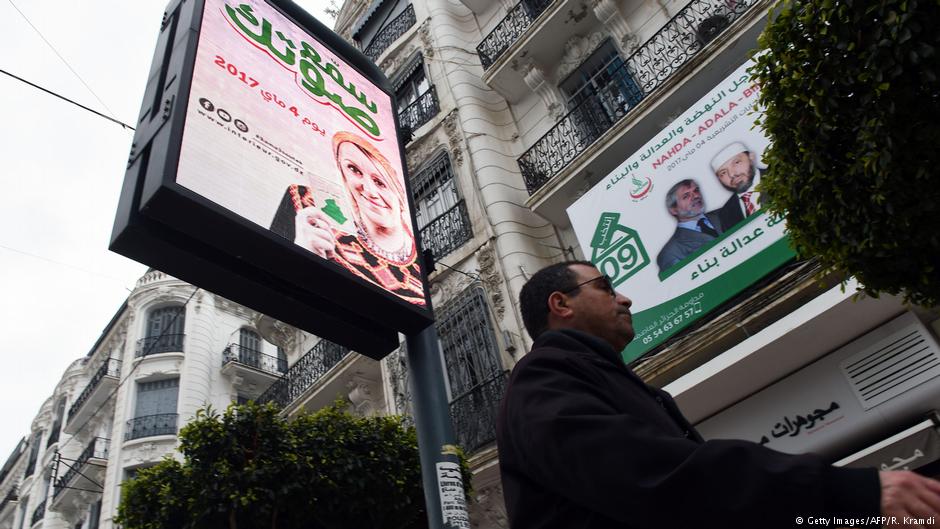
61	170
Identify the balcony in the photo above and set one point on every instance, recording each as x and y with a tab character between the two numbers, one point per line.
305	374
99	388
251	370
419	112
448	231
151	425
38	513
509	30
85	473
474	413
651	66
165	343
390	33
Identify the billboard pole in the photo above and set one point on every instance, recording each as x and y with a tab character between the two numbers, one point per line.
440	465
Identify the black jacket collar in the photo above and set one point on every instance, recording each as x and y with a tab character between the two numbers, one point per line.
570	338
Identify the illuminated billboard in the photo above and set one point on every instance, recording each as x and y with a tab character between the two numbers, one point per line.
268	154
679	226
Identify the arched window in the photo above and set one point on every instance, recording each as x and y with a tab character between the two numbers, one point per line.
56	423
164	330
249	347
281	360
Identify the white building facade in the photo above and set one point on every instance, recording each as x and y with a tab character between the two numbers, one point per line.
515	108
170	350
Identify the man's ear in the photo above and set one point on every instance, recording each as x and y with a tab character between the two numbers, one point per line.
558	306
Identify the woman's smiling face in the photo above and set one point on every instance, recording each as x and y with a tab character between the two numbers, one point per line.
370	188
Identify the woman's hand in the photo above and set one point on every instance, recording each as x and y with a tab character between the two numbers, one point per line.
312	231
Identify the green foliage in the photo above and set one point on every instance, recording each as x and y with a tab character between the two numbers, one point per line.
250	468
852	102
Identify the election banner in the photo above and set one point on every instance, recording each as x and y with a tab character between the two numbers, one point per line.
679	226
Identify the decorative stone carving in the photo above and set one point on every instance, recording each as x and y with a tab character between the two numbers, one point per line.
489	273
277	332
534	78
394	61
234	308
488	509
424	33
577	50
362	395
417	152
453	138
449	287
607	12
577	16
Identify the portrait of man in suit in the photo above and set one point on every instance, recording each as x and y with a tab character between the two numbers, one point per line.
694	227
736	167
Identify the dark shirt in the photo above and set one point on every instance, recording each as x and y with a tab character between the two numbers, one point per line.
584	443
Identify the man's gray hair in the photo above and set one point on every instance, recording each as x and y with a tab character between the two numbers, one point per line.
671	199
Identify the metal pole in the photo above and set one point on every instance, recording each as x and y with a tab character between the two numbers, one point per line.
440	466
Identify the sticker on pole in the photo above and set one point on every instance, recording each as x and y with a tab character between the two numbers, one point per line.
450	486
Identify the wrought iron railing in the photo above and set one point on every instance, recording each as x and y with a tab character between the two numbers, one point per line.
448	231
420	111
474	413
302	375
647	68
38	513
97	448
390	33
151	425
109	368
164	343
254	358
509	29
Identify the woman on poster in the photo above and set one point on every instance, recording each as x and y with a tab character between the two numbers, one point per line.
383	249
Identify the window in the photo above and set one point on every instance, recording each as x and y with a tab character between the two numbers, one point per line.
602	85
435	190
441	213
33	454
155	412
94	515
249	347
474	369
56	423
470	349
281	360
413	83
164	330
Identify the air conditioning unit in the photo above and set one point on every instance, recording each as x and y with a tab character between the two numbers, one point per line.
868	389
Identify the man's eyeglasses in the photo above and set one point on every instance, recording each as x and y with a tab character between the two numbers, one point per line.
605	284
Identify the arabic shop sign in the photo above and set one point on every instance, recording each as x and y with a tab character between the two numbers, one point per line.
678	225
802	424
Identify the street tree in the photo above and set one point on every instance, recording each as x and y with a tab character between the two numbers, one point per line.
251	468
851	91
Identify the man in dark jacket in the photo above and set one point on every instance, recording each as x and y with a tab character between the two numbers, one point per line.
584	443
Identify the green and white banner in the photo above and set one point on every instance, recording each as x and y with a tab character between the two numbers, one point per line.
678	226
